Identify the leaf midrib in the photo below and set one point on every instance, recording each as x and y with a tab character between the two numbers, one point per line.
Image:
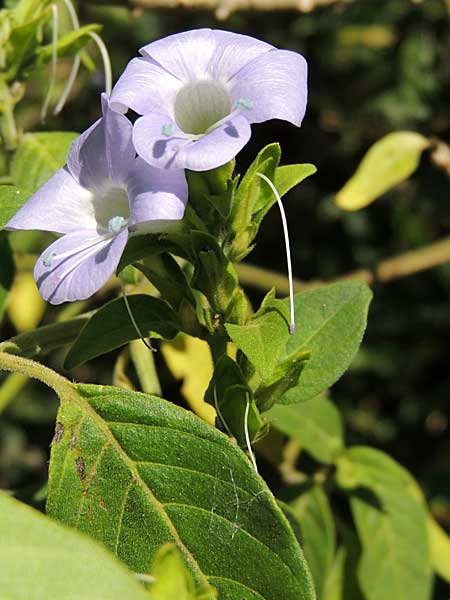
324	324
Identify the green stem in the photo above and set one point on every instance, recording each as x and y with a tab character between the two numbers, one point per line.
30	368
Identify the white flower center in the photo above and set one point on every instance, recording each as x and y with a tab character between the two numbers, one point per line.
111	209
200	104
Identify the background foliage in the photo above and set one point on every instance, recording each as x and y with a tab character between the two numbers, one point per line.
374	68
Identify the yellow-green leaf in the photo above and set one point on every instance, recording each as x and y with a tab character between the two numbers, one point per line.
440	549
388	162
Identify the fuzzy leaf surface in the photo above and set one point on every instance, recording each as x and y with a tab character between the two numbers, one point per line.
330	325
135	472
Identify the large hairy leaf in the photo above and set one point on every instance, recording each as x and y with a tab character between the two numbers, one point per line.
41	559
135	472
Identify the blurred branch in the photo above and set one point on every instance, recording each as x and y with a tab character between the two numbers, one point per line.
396	267
224	8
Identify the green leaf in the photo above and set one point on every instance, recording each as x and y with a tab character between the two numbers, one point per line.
39	156
316	425
388	162
330	325
7	270
111	327
135	472
391	520
288	176
334	584
230	395
173	581
214	274
68	45
42	559
318	534
11	199
440	549
264	337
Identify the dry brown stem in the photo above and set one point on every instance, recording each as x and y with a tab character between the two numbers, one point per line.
224	8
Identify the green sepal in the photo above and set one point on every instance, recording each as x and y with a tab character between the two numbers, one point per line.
251	194
163	271
237	311
263	338
177	242
285	378
210	198
214	274
230	395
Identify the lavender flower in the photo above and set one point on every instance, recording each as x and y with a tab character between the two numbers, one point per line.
200	90
101	195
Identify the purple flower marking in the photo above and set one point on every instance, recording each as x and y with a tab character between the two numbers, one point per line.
200	90
101	195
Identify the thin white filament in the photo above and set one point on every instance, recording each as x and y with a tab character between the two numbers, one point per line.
134	323
288	249
216	406
247	436
54	61
76	62
106	61
144	578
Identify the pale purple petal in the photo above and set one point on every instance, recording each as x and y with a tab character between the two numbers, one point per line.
60	205
275	84
91	261
144	87
156	196
204	52
104	152
177	151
